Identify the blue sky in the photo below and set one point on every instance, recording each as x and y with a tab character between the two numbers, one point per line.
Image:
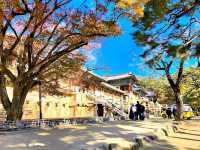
119	54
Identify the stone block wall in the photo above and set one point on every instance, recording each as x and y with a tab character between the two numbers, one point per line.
2	113
54	107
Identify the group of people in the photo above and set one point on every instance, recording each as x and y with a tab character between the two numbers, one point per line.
170	111
136	111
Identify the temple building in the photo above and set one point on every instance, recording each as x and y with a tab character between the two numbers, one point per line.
125	82
85	95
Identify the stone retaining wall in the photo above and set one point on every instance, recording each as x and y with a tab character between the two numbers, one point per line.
53	107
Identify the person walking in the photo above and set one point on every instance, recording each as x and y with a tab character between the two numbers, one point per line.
174	111
142	110
169	113
134	109
132	113
138	110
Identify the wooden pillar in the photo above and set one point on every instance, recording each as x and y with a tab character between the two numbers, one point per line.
129	88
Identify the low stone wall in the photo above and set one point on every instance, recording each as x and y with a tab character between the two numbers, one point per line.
12	125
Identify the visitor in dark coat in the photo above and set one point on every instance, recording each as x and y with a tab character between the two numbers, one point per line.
130	113
142	110
174	112
138	110
169	113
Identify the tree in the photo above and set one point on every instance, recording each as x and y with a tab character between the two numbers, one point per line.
168	33
190	86
160	87
61	70
39	37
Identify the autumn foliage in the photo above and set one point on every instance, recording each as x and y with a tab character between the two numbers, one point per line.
39	40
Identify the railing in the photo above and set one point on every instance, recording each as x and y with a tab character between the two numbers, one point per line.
91	96
112	106
115	109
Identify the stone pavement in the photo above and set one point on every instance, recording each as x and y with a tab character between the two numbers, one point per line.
77	137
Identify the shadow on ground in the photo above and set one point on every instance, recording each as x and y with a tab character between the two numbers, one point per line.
187	138
75	137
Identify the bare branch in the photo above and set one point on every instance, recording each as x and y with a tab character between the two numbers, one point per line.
170	63
9	50
163	63
49	60
160	69
48	40
12	28
26	6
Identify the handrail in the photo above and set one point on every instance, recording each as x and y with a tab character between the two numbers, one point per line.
109	104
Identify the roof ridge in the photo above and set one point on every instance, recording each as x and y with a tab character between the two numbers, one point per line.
129	73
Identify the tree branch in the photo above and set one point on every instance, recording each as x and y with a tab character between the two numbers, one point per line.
170	63
48	41
167	73
9	50
160	69
8	73
33	72
26	6
9	24
180	73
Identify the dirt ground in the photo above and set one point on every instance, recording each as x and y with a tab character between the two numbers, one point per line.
75	137
187	138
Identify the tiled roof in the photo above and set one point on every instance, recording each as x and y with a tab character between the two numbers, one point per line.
122	76
104	80
96	75
93	74
112	87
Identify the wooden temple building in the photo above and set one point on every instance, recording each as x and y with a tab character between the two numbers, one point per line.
89	95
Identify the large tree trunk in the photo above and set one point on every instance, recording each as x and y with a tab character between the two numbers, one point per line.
16	111
177	94
20	91
179	105
179	102
3	94
176	88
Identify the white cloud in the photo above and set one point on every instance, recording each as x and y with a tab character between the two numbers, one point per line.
90	51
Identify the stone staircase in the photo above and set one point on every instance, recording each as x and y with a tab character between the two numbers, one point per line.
118	113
